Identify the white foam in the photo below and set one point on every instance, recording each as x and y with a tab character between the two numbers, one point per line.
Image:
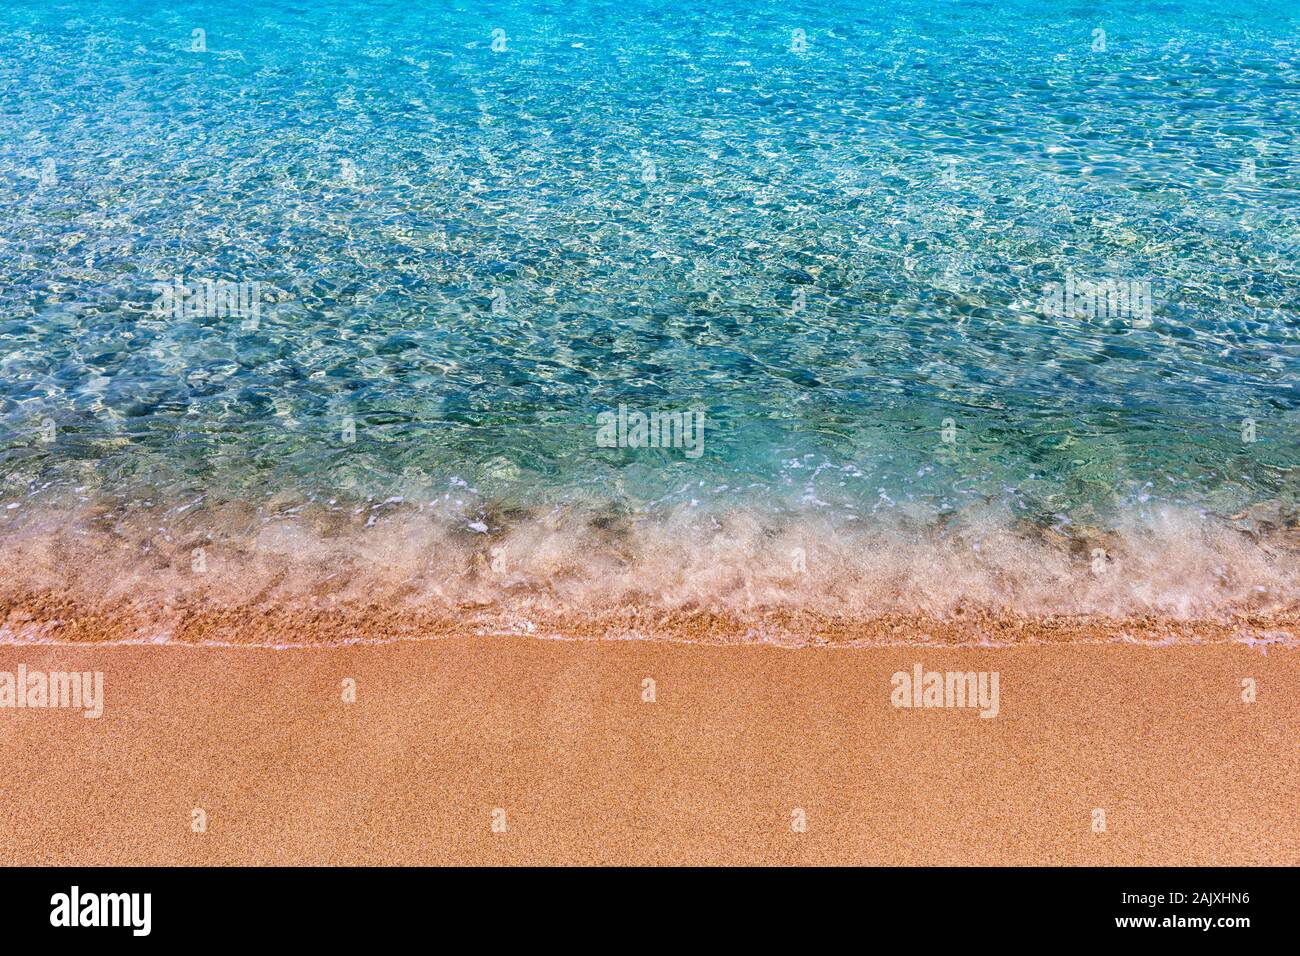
1169	562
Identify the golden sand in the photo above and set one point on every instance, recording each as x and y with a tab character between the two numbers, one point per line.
555	739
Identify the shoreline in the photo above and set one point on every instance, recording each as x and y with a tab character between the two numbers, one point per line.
685	574
51	620
441	734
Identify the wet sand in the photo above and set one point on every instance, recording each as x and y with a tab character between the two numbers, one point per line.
556	733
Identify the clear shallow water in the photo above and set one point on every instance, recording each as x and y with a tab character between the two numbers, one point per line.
835	244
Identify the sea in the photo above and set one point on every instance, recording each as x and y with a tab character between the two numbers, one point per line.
737	306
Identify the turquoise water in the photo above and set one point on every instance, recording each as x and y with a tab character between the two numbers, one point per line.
829	228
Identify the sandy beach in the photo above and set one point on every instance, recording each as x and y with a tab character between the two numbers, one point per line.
629	433
445	734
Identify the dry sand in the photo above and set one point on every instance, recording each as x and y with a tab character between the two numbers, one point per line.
556	733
